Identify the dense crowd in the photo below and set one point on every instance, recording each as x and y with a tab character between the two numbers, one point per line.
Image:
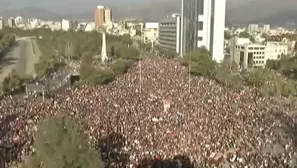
154	115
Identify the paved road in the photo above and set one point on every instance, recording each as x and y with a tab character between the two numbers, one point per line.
22	57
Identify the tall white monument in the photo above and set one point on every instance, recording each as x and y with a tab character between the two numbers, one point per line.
104	57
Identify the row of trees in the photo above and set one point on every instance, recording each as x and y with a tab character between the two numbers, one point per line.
6	40
279	78
58	48
12	83
60	142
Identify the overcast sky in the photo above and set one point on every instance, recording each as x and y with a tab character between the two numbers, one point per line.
65	5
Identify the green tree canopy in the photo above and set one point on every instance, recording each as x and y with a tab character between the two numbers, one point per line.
200	63
61	143
12	82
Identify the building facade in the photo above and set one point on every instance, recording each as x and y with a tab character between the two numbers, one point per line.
1	24
203	24
151	32
11	22
253	28
65	25
99	16
169	33
266	28
256	55
107	15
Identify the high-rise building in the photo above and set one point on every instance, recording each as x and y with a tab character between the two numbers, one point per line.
107	15
169	33
203	24
266	28
253	28
11	22
1	24
65	25
99	16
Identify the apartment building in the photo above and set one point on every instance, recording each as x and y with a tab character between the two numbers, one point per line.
1	24
203	24
151	32
107	15
99	16
11	22
65	25
169	33
253	28
102	15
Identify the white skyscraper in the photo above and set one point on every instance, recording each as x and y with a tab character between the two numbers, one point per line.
203	24
65	25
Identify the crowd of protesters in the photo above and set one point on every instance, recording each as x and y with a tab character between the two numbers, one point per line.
158	116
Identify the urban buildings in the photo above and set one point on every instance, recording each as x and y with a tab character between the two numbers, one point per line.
11	22
102	15
256	55
65	25
266	28
107	15
99	16
169	33
253	28
150	32
1	24
203	24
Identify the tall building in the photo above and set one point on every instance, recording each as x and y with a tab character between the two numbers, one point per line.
266	28
107	15
151	32
169	33
1	24
99	16
65	25
11	22
253	28
203	24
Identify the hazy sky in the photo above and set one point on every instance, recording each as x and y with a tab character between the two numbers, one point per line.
65	5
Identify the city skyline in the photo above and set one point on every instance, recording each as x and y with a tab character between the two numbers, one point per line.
152	10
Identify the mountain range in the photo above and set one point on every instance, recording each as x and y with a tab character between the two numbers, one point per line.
275	12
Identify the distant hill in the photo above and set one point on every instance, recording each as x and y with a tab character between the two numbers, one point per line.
30	12
275	12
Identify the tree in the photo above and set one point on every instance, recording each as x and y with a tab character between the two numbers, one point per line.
130	53
12	82
227	35
121	66
245	34
126	40
256	78
289	88
200	63
8	39
61	143
272	64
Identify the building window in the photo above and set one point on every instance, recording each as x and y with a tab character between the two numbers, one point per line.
200	25
200	38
